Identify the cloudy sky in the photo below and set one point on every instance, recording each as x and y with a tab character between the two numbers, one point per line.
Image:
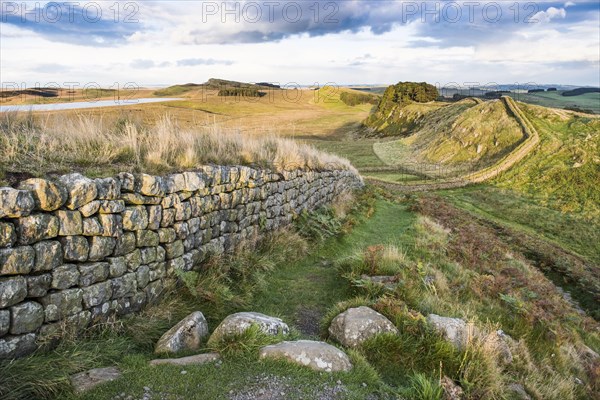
306	42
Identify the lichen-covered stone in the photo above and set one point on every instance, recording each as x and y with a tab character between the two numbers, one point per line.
112	207
127	181
166	235
356	325
148	255
75	248
193	181
112	224
92	227
135	218
174	250
133	260
174	183
124	286
65	276
158	270
17	260
85	381
143	276
36	227
38	285
168	217
48	255
117	266
48	195
70	223
154	217
92	272
15	203
181	229
161	254
4	322
13	290
139	199
26	317
183	211
97	294
455	330
125	244
239	322
108	188
90	208
8	236
100	247
62	304
80	190
149	185
17	346
186	335
318	356
169	201
146	238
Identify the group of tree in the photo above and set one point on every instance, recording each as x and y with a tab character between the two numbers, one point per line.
407	92
354	99
241	92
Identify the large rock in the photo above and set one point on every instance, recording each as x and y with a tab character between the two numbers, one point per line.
36	227
38	285
15	203
62	304
100	247
75	248
135	218
197	359
356	325
108	188
93	272
87	380
65	276
12	291
455	330
70	223
318	356
15	261
17	346
80	190
48	255
186	335
48	196
26	317
239	322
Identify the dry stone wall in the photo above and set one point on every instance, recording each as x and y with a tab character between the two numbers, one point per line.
76	250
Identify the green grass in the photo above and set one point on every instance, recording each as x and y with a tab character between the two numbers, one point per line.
588	101
359	152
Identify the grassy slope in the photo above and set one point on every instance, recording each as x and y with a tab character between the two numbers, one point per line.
588	101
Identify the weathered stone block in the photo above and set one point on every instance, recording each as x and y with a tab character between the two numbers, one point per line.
17	346
168	217
161	254
117	266
97	294
75	248
48	195
134	260
174	183
108	188
62	304
148	255
176	264
92	273
154	217
80	190
149	185
38	285
112	224
174	250
154	290
4	322
13	290
181	230
100	247
135	218
15	203
143	276
146	238
90	208
26	317
124	286
8	236
92	227
166	235
183	211
169	201
65	276
70	223
127	181
18	260
36	227
112	206
138	199
158	270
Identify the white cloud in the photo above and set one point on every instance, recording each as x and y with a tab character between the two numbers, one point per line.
550	14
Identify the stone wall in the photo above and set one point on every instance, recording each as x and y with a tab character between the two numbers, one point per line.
75	250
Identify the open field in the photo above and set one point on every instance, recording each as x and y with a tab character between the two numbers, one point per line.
555	99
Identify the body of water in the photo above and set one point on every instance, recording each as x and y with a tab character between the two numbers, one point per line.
82	105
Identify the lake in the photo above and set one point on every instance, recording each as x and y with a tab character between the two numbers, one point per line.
82	105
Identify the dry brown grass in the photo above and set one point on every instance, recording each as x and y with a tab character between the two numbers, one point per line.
98	146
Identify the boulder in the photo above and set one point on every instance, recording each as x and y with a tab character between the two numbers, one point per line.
48	196
197	359
239	322
356	325
455	330
80	190
87	380
17	346
186	335
318	356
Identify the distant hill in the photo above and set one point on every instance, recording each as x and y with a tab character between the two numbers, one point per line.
214	84
580	91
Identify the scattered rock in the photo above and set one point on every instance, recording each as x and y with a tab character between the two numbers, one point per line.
452	391
197	359
239	322
318	356
87	380
186	335
519	391
355	325
455	330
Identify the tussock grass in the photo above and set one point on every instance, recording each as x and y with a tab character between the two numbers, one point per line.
100	145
